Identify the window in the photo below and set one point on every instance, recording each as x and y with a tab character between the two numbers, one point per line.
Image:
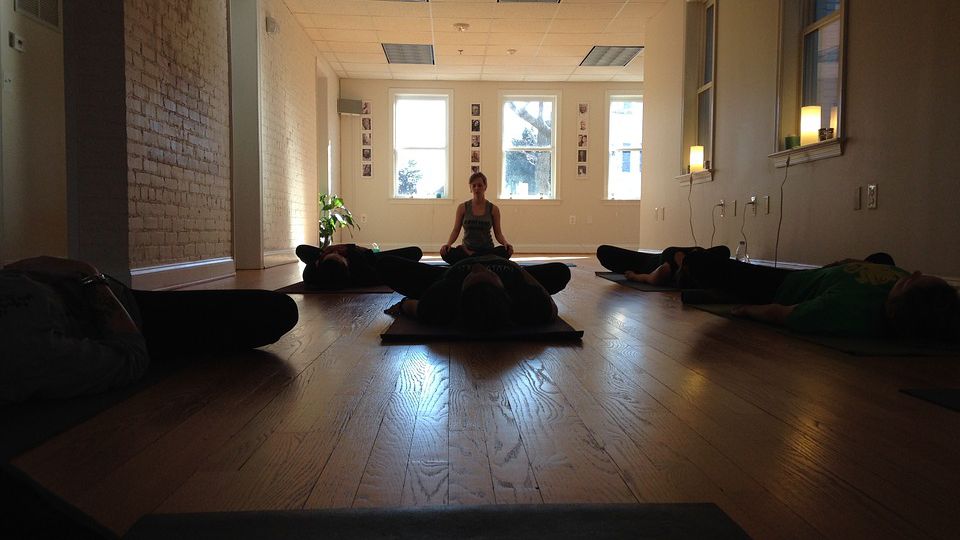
811	75
624	138
421	145
699	89
529	142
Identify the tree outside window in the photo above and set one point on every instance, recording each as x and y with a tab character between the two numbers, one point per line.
529	147
625	147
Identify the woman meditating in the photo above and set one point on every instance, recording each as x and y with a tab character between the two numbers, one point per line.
476	217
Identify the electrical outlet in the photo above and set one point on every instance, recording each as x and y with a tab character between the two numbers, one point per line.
656	213
766	204
573	220
723	208
753	204
872	196
363	218
663	213
734	205
857	197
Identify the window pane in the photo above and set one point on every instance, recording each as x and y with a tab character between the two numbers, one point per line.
527	124
624	140
821	69
704	121
818	9
421	123
708	47
421	173
528	174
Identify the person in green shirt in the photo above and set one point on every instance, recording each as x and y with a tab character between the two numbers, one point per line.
847	298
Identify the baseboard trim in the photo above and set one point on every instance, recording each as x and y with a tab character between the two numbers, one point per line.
279	256
173	276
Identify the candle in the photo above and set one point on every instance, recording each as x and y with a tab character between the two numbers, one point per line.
809	124
696	158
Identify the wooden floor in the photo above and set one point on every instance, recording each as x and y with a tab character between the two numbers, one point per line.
660	403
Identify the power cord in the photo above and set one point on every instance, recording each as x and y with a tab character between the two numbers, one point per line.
690	207
776	249
713	221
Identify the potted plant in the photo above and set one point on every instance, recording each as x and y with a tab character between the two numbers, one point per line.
333	215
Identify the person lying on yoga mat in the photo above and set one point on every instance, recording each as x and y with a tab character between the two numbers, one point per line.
476	217
848	298
68	330
651	268
346	265
483	293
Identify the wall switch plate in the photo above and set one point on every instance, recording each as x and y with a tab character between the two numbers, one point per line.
753	204
766	204
17	42
857	197
573	220
872	196
734	204
663	213
723	208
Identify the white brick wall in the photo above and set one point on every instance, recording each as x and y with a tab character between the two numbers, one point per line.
178	138
288	131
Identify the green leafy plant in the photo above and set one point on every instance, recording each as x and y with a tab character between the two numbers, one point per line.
334	215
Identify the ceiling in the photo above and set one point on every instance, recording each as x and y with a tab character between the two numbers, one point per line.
505	41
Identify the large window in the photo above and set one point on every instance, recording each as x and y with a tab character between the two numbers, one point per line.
421	145
699	89
529	142
811	80
625	149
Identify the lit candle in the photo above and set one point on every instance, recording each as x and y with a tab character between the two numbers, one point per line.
696	158
809	124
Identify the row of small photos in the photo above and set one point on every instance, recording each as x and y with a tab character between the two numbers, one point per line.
474	138
366	140
583	119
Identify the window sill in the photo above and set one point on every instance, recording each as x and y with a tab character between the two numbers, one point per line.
529	202
620	202
811	152
411	200
699	177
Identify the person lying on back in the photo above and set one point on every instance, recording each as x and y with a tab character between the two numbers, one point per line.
346	265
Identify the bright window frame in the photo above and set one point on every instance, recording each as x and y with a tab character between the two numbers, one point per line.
620	97
446	96
554	148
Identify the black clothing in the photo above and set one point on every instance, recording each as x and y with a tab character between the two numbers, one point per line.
361	261
457	254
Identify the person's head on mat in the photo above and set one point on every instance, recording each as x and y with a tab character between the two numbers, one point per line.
484	302
919	305
334	271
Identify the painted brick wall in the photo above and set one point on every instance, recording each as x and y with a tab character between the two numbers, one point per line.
288	132
178	139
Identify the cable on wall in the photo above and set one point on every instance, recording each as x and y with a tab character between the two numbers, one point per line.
776	249
690	207
713	221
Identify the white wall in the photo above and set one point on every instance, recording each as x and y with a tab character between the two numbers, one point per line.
33	191
531	226
901	118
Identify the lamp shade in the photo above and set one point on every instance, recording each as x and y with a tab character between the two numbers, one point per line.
809	124
696	158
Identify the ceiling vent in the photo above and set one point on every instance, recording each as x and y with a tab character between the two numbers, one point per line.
605	55
401	53
45	11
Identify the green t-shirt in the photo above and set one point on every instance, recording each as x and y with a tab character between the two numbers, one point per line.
843	300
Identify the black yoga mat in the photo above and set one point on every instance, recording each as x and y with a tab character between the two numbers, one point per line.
528	522
405	330
945	397
301	288
852	345
622	280
521	263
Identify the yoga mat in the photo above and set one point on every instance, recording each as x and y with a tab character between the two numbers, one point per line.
28	424
622	280
523	263
405	330
945	397
851	345
676	521
300	288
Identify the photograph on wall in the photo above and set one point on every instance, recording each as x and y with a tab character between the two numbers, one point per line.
475	141
582	141
582	117
582	156
365	107
474	169
475	109
475	125
581	170
583	109
366	154
365	138
367	170
365	123
474	156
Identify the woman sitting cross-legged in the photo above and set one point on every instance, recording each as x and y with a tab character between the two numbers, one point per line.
652	268
346	265
476	217
483	293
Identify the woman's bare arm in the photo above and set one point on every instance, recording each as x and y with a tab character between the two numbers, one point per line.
455	233
498	233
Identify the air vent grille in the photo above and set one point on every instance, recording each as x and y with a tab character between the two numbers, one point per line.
45	11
